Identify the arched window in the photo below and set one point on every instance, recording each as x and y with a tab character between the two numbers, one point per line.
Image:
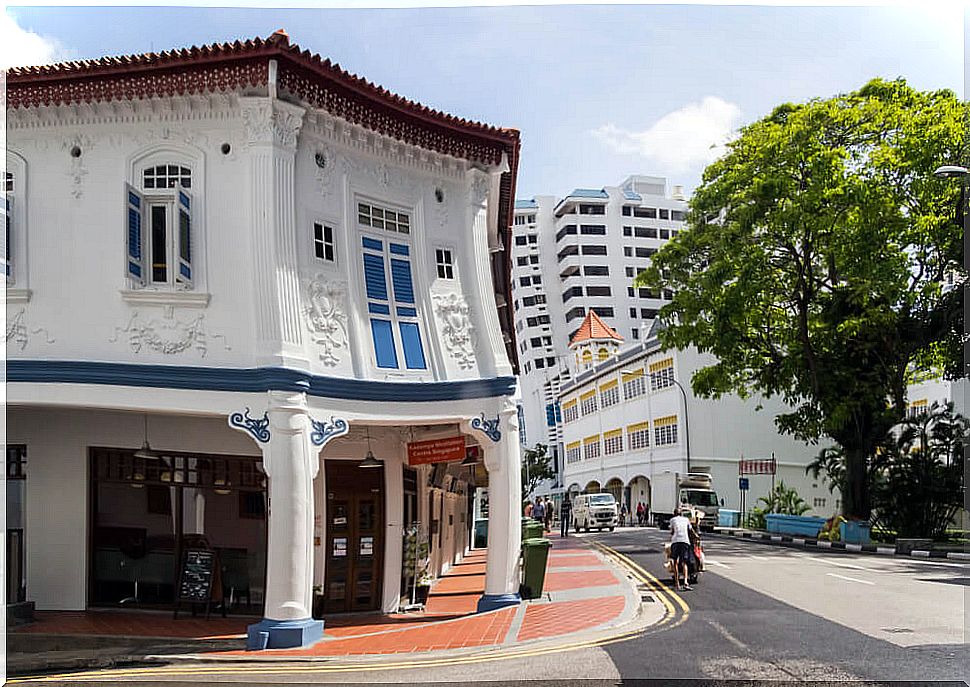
603	354
159	226
587	356
15	226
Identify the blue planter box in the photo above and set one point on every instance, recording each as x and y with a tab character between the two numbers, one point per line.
728	518
804	525
855	532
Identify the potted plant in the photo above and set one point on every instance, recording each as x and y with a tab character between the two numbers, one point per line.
423	587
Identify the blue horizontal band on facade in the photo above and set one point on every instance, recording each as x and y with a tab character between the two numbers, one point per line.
254	379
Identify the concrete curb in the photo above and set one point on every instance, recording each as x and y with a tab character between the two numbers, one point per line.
799	542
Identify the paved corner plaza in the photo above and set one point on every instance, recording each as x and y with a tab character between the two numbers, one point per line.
279	347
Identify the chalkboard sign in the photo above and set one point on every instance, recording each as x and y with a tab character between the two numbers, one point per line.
196	578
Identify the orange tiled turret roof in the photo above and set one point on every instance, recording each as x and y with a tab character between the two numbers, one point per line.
593	328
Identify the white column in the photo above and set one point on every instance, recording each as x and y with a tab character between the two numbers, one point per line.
272	127
290	462
500	442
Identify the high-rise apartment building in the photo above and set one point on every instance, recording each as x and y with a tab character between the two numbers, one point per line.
575	254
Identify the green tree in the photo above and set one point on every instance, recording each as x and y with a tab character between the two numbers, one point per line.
917	474
814	262
536	467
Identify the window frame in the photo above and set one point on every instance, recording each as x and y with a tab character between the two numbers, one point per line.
326	223
451	265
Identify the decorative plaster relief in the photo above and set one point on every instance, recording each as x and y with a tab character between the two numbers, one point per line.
258	428
266	123
325	162
19	332
326	317
487	427
84	144
324	431
168	335
479	189
456	327
385	176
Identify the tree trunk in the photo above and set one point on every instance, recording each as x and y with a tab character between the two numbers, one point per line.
855	498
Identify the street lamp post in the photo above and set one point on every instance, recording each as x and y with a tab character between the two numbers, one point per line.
683	393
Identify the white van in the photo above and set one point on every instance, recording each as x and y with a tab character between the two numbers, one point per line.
595	510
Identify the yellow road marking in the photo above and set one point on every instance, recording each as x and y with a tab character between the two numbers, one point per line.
495	654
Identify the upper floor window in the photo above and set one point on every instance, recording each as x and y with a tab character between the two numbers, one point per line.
662	374
14	222
8	183
8	226
159	227
323	242
383	218
444	263
391	304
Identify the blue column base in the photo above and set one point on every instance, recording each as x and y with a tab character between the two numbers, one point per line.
489	602
283	634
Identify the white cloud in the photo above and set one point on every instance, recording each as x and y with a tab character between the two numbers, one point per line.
20	47
682	140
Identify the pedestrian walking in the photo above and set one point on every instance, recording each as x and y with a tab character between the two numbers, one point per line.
680	547
528	509
623	515
538	513
640	513
550	512
565	515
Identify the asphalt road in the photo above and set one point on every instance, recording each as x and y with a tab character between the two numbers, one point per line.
759	613
765	612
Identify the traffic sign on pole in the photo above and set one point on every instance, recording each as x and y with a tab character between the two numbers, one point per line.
743	483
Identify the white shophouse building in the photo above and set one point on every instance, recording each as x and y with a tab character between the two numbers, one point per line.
630	415
263	268
579	254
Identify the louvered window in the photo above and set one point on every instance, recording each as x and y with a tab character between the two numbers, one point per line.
391	305
159	230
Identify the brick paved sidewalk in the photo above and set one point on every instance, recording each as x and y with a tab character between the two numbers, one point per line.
582	592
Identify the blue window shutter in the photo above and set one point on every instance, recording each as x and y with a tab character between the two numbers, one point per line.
378	309
8	224
372	244
184	274
399	249
401	276
383	343
135	259
374	278
413	351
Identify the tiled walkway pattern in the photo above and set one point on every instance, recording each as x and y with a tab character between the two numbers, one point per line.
449	620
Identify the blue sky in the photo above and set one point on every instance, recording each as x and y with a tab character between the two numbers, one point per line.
598	92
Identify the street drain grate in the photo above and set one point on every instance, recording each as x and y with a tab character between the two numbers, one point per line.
897	630
647	598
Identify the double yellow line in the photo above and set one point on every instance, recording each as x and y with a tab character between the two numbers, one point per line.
672	618
677	609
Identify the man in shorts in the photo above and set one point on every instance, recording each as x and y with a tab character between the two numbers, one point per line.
680	546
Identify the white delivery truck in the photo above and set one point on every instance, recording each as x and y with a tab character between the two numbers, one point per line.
694	490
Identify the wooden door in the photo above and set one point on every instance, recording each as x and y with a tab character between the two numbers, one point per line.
355	538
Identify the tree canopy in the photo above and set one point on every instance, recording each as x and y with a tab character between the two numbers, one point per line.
536	467
816	261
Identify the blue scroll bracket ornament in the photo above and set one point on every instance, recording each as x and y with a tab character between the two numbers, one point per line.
324	431
487	427
257	428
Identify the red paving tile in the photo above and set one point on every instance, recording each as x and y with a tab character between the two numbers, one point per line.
576	560
559	581
135	624
475	630
560	618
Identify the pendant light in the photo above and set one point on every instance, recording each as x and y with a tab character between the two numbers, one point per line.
146	452
369	460
471	456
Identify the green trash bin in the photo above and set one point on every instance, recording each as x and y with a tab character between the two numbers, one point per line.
535	553
533	529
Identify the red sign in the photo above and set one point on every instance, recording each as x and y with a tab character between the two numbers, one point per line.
766	466
436	451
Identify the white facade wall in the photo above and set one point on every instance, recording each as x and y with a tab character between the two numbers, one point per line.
721	432
264	170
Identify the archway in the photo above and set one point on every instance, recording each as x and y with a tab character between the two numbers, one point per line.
615	487
639	490
592	487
